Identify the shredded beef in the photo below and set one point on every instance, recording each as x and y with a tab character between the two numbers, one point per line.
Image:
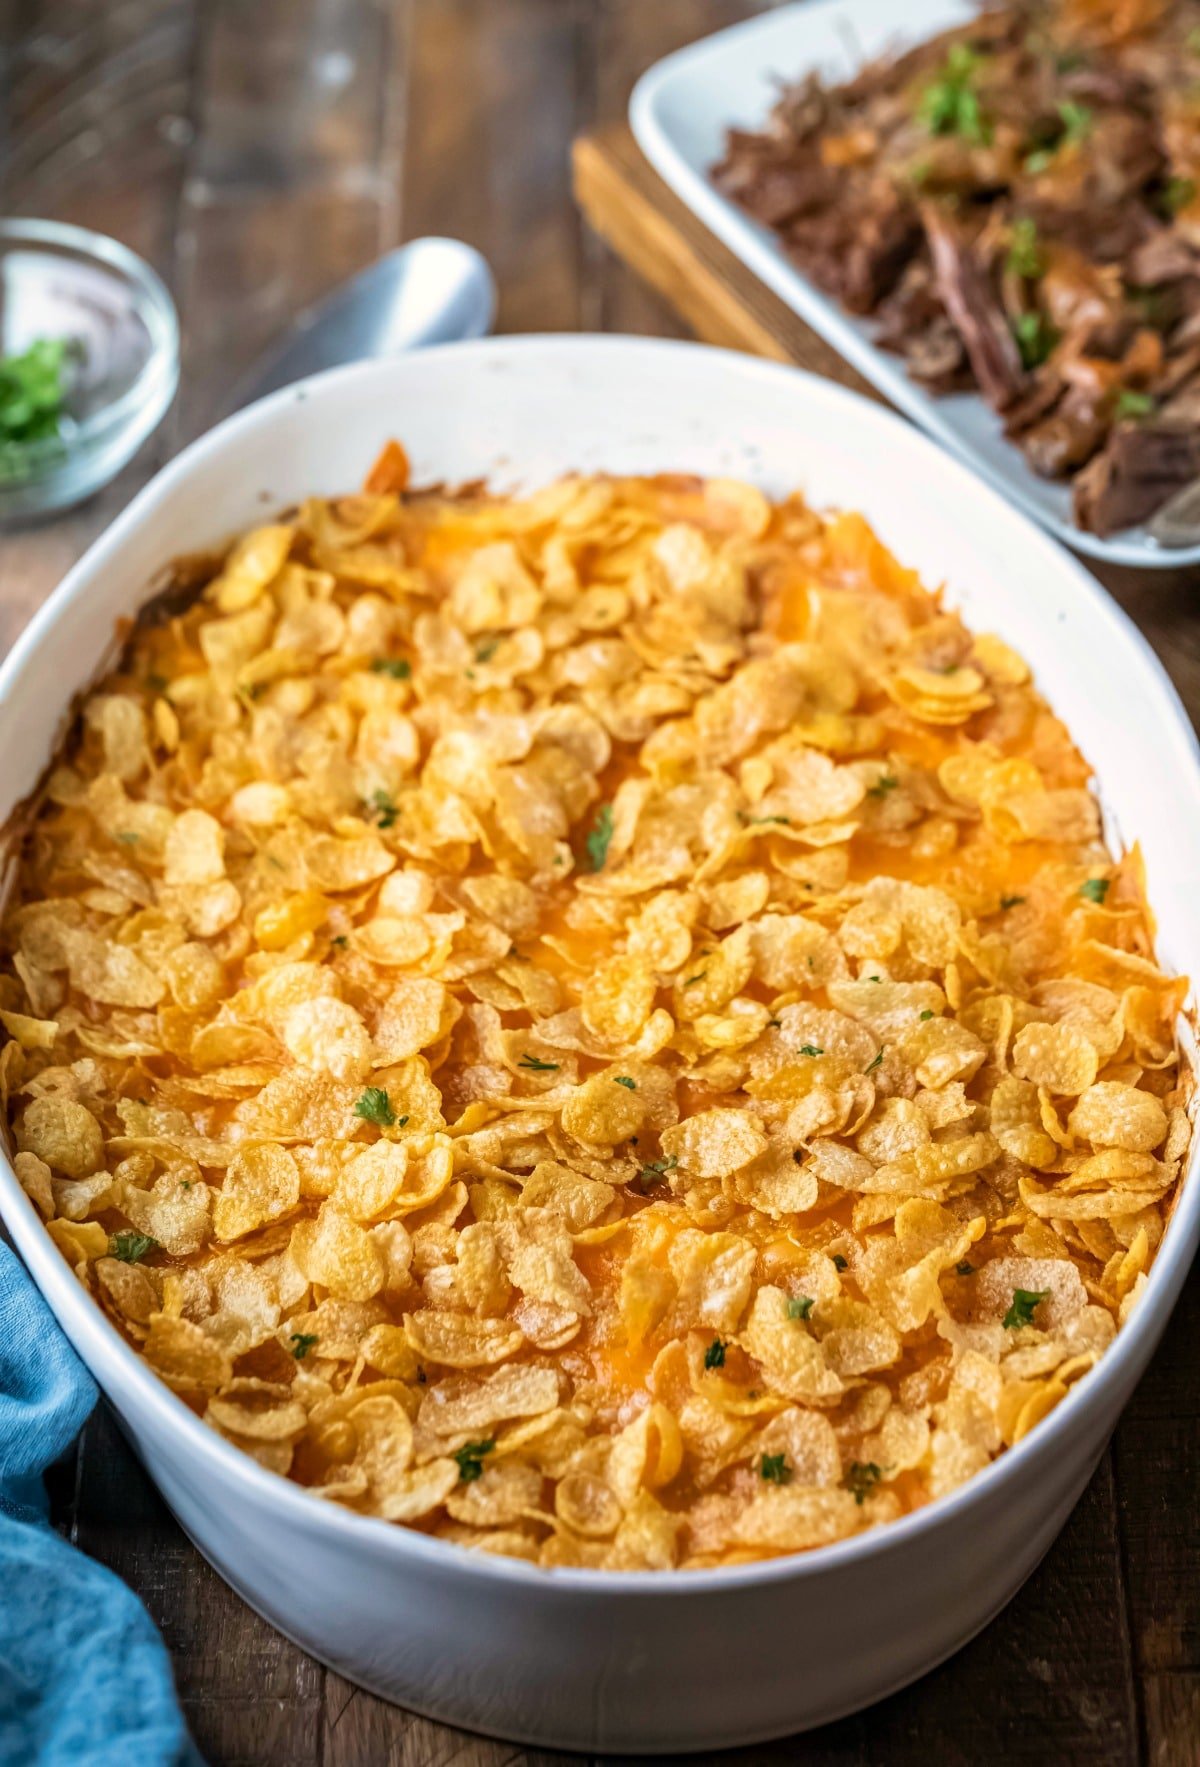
1015	203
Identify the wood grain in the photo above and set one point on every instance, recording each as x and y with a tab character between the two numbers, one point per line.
257	151
690	269
292	178
631	36
94	130
496	92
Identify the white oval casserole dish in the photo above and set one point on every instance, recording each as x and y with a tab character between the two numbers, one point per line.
578	1659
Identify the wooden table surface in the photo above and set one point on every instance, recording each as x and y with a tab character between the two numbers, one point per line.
257	151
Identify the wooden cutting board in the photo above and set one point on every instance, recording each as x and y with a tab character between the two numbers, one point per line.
723	302
657	235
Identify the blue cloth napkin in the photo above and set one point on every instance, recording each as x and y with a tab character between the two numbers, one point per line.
85	1680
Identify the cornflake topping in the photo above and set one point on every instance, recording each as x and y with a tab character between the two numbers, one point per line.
598	1026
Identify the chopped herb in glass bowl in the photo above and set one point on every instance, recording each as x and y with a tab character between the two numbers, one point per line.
33	401
88	363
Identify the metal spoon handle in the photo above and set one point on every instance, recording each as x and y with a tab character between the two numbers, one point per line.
431	291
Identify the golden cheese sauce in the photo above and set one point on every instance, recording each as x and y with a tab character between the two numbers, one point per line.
599	1026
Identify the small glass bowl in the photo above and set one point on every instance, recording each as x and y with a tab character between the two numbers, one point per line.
119	323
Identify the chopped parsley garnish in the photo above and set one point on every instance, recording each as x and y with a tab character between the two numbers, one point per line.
385	808
882	786
398	667
714	1356
1024	253
927	1014
624	1080
800	1306
375	1107
811	1049
1007	902
304	1342
950	105
763	821
775	1469
129	1245
1076	119
862	1479
1133	405
1094	890
470	1459
1178	194
656	1169
839	1263
31	392
1067	61
1035	336
601	835
965	1268
340	941
486	651
1037	161
871	1066
1025	1303
698	977
537	1066
874	978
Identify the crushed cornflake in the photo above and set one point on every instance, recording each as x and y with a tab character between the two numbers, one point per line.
597	1026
